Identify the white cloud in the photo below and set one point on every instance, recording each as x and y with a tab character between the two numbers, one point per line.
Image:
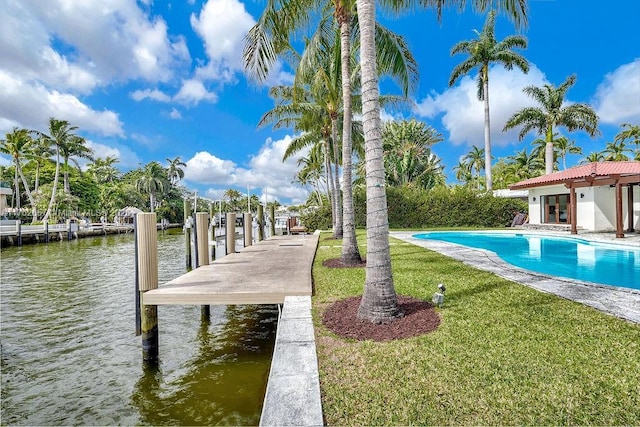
617	98
266	171
463	114
192	92
175	114
154	94
27	104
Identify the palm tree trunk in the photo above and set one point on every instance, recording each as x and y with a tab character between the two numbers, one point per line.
548	152
337	230
55	185
34	211
330	183
350	252
151	201
379	301
16	185
487	131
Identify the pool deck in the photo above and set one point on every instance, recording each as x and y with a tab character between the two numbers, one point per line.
620	302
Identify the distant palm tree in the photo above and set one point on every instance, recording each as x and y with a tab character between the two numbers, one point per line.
463	172
552	114
41	152
174	170
566	146
104	170
70	149
17	145
233	196
593	157
524	165
482	52
153	181
60	134
614	151
632	133
475	158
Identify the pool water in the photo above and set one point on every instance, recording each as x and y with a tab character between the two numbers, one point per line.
603	263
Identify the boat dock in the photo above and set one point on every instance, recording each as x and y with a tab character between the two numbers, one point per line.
263	273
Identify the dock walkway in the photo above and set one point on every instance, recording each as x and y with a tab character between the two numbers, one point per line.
263	273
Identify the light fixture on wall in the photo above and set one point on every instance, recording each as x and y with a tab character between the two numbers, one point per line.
534	198
582	195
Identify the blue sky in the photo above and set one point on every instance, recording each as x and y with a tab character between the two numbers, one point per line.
151	80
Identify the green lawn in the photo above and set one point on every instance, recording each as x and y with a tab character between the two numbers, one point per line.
504	353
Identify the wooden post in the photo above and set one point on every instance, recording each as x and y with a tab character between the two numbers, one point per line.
202	239
619	225
69	229
213	231
272	217
147	241
260	223
631	228
230	233
46	231
573	201
187	233
19	231
248	230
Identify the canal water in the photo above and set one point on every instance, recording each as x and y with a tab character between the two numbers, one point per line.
69	354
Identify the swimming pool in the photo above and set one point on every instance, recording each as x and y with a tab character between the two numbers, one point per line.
604	263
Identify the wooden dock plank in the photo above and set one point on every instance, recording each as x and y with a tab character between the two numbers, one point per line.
263	273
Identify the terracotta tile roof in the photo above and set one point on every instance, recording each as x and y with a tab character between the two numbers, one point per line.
590	171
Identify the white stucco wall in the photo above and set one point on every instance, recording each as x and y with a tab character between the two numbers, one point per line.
596	210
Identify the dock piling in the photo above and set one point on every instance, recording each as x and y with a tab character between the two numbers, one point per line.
260	223
272	220
187	233
147	241
248	230
46	231
230	233
19	231
202	252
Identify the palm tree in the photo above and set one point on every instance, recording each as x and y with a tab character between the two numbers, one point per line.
593	157
60	133
17	144
614	151
70	149
152	181
41	152
564	147
482	52
379	302
524	165
174	170
463	172
268	38
103	170
233	196
476	160
632	133
408	157
552	114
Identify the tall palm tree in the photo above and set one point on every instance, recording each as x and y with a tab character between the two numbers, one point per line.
482	52
233	196
463	172
103	170
632	133
60	132
41	152
552	114
269	38
379	302
17	145
174	170
152	181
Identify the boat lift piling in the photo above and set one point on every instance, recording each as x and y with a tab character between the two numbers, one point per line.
201	240
260	223
230	233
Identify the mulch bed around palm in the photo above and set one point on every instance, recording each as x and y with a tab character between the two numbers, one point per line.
338	263
419	318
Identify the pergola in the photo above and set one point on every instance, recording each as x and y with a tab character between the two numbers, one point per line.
614	174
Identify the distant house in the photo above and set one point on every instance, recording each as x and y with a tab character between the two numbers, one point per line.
4	192
599	196
125	215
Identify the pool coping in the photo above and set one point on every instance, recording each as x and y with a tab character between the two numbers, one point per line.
620	302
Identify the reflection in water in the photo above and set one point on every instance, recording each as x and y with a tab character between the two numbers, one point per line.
69	354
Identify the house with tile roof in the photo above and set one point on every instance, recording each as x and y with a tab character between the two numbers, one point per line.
598	196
